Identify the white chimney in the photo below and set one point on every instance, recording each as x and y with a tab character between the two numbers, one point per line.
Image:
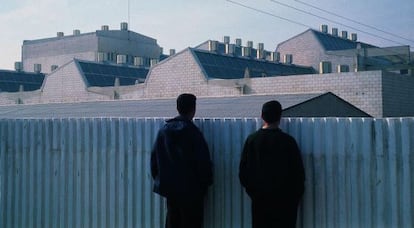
324	28
288	59
325	67
153	62
37	67
18	66
353	36
121	59
246	51
342	68
344	35
334	31
139	61
274	56
212	45
102	57
260	54
238	42
230	49
226	39
124	26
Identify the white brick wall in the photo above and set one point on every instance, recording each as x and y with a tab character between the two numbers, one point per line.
67	85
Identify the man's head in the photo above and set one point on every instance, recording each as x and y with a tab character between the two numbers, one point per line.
186	105
271	112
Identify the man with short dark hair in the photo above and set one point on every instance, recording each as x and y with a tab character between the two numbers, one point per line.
271	170
181	167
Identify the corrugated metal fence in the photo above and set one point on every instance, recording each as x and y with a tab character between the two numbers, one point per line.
94	172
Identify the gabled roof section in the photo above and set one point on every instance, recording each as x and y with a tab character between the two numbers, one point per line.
103	75
218	66
333	43
10	81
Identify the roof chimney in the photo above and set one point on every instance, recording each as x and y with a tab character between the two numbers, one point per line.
288	58
18	66
230	49
246	51
325	67
121	59
238	42
226	39
105	28
139	61
60	34
37	67
250	44
334	31
324	28
76	32
344	35
172	51
275	56
212	45
353	36
124	26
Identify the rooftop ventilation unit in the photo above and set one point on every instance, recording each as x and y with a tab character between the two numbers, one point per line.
238	42
344	35
153	62
37	67
250	44
230	48
324	28
274	56
288	59
246	51
342	68
121	59
212	45
60	34
139	61
124	26
260	46
76	32
102	57
105	28
172	51
325	67
260	54
354	37
226	39
334	31
18	66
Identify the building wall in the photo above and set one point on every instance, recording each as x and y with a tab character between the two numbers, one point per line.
181	74
398	95
29	97
307	51
61	50
362	89
58	51
67	85
94	172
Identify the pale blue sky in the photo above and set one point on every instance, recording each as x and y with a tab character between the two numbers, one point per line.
186	23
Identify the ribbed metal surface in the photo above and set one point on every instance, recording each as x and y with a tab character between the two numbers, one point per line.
94	172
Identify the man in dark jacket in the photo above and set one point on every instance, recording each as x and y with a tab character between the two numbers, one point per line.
272	172
181	166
